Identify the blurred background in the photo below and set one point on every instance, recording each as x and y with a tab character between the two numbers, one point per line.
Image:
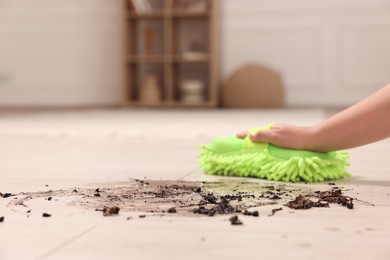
96	92
186	53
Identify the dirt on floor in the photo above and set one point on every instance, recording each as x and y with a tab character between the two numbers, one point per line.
191	198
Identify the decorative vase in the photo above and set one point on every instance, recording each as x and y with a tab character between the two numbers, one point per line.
150	93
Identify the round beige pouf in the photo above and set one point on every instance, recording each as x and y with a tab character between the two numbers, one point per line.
253	86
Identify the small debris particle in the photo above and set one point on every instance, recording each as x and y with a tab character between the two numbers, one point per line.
275	197
251	213
110	211
1	219
6	195
198	190
28	211
49	198
331	183
129	218
302	202
172	210
203	211
142	216
275	210
235	220
97	195
46	215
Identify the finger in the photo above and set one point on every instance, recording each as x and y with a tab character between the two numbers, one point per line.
241	135
261	137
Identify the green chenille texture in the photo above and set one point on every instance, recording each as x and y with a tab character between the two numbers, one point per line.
231	156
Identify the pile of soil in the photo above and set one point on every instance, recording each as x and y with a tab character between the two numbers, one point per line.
323	199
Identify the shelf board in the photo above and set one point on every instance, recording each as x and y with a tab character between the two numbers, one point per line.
189	14
145	59
151	15
169	104
182	104
138	103
161	14
162	59
183	59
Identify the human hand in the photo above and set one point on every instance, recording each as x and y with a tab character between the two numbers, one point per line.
287	136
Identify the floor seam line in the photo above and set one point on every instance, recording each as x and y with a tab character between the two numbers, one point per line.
66	243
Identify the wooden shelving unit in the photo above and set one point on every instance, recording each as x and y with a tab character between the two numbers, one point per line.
176	49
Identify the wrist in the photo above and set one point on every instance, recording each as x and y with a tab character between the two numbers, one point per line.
315	140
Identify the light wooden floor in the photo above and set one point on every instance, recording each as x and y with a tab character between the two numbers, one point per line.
107	147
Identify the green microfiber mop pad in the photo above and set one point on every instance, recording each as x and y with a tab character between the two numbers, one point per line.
231	156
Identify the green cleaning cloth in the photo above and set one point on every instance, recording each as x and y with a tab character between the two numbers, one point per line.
231	156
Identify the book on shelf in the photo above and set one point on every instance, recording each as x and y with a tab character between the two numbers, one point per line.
131	6
144	6
190	5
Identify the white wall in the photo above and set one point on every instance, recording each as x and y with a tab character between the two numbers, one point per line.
330	52
59	52
66	52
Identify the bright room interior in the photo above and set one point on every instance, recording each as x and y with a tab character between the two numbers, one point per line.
100	99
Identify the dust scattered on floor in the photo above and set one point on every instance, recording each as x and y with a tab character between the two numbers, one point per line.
190	198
